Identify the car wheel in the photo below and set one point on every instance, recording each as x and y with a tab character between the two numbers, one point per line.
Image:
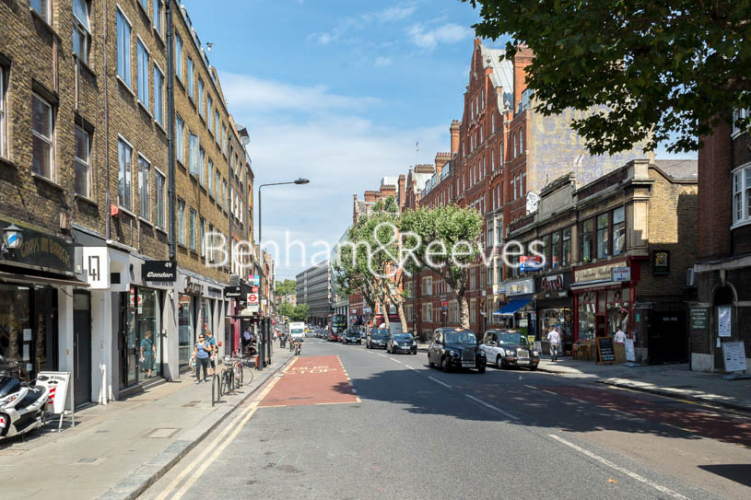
533	367
430	362
499	362
481	369
445	364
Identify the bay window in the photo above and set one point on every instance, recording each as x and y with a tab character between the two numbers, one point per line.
742	195
619	231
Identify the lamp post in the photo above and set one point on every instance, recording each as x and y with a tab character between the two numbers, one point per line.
265	347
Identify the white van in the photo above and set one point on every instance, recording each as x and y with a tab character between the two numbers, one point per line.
297	330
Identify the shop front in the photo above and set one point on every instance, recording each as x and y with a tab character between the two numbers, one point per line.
555	309
141	343
519	312
604	297
37	281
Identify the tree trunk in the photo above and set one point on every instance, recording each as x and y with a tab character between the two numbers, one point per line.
463	309
402	316
385	312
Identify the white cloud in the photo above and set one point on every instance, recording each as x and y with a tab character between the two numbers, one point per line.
346	24
245	92
446	33
396	13
324	38
382	62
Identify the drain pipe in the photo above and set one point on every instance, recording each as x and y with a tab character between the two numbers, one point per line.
106	133
171	126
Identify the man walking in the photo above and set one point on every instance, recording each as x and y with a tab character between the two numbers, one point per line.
212	344
620	337
555	342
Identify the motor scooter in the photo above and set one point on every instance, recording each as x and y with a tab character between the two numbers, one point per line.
22	406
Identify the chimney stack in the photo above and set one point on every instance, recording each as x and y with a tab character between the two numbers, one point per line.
455	137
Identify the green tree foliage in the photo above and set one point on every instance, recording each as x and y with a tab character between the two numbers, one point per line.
448	243
654	71
294	313
285	287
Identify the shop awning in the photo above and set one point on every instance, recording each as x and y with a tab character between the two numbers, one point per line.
512	307
27	279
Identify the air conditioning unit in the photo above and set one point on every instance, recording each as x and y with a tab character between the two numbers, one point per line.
690	278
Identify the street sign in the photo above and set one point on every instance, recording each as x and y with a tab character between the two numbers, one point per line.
232	292
160	270
254	289
252	298
621	274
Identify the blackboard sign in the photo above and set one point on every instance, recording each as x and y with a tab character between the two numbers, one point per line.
605	350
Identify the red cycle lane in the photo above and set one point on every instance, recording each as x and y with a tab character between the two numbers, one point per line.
312	380
710	424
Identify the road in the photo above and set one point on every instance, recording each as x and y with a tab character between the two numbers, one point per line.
344	422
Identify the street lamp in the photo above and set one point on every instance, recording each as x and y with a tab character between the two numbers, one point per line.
265	334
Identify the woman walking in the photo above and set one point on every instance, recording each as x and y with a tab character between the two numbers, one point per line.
201	354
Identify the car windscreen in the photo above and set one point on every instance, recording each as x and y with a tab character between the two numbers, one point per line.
512	339
297	331
463	337
403	336
379	334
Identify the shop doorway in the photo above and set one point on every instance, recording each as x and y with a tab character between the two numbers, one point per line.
600	329
667	337
81	348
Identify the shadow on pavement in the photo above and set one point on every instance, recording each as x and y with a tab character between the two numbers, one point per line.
740	473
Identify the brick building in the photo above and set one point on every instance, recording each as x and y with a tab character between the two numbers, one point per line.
88	144
723	268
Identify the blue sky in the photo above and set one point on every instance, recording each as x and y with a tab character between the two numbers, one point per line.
337	92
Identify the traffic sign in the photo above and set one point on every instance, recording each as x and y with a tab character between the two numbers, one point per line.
254	289
252	298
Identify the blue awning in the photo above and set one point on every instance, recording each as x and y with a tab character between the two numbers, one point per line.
511	308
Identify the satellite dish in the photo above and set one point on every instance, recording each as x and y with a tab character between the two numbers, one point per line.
533	202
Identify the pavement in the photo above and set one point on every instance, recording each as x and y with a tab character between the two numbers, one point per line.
343	422
675	381
116	451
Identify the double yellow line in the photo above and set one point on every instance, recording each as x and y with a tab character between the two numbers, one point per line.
179	486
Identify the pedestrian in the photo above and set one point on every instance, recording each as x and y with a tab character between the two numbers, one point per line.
246	339
201	353
214	349
620	337
147	354
555	342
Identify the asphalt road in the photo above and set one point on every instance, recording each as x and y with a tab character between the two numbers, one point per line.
343	422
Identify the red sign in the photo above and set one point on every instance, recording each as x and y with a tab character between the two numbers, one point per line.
252	298
254	289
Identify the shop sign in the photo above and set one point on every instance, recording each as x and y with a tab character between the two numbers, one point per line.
498	289
599	273
160	270
252	299
734	355
661	262
630	352
724	314
699	319
96	264
57	384
529	263
233	292
43	251
621	273
254	279
521	287
445	304
551	283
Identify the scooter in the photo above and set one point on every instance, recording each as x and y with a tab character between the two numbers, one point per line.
22	406
298	348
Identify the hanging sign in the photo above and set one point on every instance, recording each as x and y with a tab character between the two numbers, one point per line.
160	270
57	384
232	292
621	273
252	298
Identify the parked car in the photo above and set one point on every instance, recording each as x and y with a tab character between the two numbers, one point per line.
401	342
377	338
509	348
352	337
333	337
455	348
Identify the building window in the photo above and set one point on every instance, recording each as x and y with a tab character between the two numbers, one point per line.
224	139
180	222
81	29
209	111
159	186
157	16
42	137
619	231
200	99
742	195
178	56
602	236
566	248
587	234
218	180
202	167
193	230
555	250
515	146
180	139
158	95
739	114
216	126
124	179
42	7
224	196
211	178
202	243
190	78
144	188
3	72
193	154
142	71
211	241
82	168
123	48
523	184
515	193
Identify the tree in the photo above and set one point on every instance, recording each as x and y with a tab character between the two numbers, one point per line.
448	244
294	313
643	70
286	287
287	310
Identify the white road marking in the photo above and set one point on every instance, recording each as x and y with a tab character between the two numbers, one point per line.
549	392
444	384
411	368
632	475
580	401
530	386
382	355
488	405
395	360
